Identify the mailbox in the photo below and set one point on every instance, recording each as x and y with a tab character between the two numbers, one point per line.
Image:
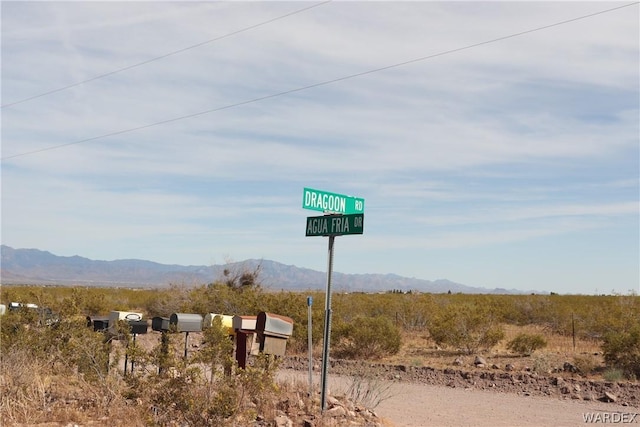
116	316
18	305
274	325
226	320
160	324
99	324
273	331
186	322
246	343
245	323
138	326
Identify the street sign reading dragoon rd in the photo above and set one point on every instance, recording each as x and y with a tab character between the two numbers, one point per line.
325	201
335	225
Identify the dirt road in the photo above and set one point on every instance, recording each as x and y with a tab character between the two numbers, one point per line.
422	405
413	405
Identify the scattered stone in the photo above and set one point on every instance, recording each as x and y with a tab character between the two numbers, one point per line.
283	421
459	361
494	366
479	360
559	381
509	367
307	423
332	401
569	367
336	411
609	397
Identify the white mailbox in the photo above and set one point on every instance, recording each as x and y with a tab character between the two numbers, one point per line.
127	316
245	323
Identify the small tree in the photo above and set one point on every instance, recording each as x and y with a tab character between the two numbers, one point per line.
525	344
240	277
468	327
622	350
370	337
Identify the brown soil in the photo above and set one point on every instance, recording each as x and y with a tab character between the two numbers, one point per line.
561	385
409	396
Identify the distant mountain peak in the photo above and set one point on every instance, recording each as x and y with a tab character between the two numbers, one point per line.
34	266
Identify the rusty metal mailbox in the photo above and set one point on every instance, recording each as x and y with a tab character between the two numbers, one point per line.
273	331
186	322
160	324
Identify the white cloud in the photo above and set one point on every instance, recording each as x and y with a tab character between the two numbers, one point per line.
532	137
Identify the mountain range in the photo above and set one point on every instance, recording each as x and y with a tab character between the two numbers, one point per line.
34	266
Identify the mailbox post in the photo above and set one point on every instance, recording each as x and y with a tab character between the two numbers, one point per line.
135	327
245	330
161	324
186	322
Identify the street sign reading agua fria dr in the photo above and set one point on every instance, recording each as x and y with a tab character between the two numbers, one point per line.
325	201
335	225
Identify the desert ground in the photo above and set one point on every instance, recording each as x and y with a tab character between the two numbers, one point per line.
411	404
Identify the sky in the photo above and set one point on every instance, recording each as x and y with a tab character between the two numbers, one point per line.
496	144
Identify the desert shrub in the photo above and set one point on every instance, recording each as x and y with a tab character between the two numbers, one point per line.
466	327
365	337
613	374
542	363
586	363
622	351
525	344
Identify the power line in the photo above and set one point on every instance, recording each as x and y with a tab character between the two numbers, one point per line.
323	83
166	55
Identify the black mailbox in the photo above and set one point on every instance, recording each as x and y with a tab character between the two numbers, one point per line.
138	326
160	324
100	324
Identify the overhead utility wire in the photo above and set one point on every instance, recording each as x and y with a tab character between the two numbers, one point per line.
166	55
324	83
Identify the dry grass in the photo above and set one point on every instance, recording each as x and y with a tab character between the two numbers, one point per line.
419	350
32	394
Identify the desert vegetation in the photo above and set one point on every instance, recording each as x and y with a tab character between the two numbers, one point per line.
64	371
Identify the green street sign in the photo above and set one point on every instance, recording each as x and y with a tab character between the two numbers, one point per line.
335	225
324	201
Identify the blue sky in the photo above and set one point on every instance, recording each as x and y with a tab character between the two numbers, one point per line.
511	164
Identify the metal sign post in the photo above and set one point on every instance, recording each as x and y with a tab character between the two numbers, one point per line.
327	327
310	339
343	215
